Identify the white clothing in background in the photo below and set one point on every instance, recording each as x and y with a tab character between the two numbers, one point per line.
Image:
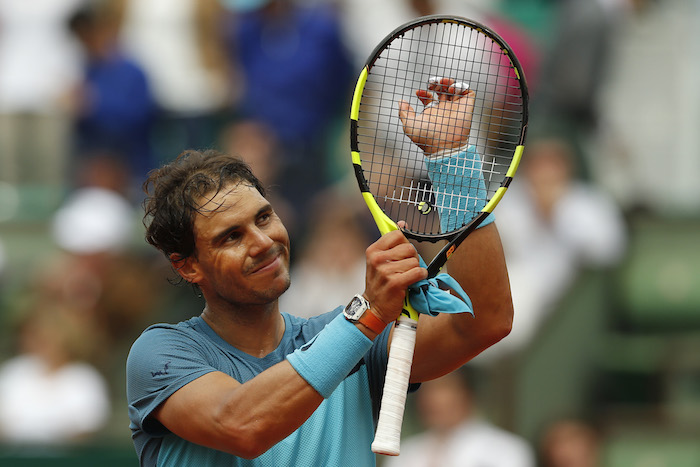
40	406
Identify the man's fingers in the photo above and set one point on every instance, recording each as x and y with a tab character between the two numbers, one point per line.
426	97
392	246
439	83
459	88
446	88
433	82
402	271
391	239
441	86
406	112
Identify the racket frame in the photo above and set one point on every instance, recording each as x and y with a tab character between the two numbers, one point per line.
388	434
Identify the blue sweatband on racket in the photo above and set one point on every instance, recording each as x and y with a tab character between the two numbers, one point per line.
327	359
431	296
460	191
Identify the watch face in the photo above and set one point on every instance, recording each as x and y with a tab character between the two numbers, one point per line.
355	308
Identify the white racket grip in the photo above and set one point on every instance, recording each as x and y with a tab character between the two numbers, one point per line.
387	439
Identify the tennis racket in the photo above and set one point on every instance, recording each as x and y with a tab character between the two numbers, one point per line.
472	99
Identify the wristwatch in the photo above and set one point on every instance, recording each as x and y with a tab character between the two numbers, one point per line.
357	311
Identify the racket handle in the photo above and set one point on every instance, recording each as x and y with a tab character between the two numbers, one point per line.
403	342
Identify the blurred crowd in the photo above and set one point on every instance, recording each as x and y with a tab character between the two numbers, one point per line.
95	93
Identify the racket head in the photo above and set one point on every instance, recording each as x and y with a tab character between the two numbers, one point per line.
389	167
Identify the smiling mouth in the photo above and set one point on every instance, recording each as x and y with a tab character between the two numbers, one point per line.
269	262
267	266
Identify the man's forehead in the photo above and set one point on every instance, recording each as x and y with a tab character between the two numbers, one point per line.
229	196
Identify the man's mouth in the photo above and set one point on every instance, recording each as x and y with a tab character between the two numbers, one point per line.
269	262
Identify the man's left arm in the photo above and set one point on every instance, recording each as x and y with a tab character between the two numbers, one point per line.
448	340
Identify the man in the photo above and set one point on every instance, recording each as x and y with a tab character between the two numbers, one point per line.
245	383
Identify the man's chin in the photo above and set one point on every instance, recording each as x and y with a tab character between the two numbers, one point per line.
278	286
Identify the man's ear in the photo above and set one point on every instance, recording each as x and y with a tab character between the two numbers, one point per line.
185	267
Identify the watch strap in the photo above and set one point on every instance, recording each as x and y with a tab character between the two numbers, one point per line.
371	321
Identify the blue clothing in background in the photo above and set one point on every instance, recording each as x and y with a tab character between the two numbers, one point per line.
119	113
297	70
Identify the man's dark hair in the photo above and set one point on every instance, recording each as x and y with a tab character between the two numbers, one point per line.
174	195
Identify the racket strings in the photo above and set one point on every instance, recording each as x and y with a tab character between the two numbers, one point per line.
424	196
420	194
395	169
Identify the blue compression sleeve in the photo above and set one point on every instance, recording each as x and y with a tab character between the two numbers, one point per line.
460	191
328	358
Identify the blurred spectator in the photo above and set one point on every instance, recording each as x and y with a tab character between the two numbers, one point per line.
39	62
3	284
552	225
104	170
97	271
297	80
455	433
114	105
3	259
48	393
630	165
524	45
575	67
570	443
362	32
579	57
517	37
322	281
94	220
180	46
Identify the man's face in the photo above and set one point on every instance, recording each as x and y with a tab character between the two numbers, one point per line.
242	249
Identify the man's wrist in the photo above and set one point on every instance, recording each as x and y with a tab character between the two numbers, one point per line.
371	321
358	311
446	152
330	356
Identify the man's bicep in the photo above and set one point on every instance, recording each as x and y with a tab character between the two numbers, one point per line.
439	348
193	411
447	341
243	419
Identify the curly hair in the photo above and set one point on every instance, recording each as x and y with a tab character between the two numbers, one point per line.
174	193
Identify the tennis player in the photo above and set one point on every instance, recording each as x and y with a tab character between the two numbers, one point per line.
246	384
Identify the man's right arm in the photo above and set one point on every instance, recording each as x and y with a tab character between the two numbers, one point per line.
245	419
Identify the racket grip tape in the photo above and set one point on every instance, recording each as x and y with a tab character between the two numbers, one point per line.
387	439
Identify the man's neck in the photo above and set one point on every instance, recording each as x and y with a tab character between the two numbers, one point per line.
256	332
